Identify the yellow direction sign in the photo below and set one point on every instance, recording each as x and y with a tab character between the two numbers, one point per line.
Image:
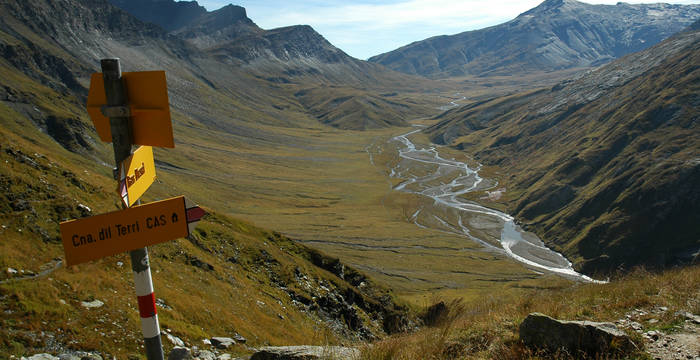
108	234
136	174
148	108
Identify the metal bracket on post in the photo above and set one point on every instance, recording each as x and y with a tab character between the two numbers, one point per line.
118	111
115	111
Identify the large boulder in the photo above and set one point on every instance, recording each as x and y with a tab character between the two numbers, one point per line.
305	353
180	353
543	332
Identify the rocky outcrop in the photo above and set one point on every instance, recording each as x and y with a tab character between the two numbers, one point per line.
168	14
305	353
222	342
592	338
220	26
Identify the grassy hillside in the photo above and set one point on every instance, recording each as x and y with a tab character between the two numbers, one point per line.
250	144
487	328
261	284
254	147
602	167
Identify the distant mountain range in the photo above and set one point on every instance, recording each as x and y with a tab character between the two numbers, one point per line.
212	53
228	35
604	167
557	34
289	55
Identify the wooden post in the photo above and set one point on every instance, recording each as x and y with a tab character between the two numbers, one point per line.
120	127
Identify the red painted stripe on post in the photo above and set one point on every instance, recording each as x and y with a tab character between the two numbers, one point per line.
147	305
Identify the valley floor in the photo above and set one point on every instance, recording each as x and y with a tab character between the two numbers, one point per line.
336	194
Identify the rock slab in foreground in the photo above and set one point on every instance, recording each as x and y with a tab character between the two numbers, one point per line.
541	331
305	353
222	342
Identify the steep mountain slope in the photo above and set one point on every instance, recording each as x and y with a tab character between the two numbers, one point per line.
211	28
558	34
231	276
294	53
245	143
81	32
605	167
170	15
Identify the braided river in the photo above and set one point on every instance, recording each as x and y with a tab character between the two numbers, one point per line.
426	173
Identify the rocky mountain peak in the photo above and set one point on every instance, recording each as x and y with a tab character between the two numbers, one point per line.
168	14
556	35
227	16
231	13
549	6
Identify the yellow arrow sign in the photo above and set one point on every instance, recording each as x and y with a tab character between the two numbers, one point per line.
136	174
108	234
149	110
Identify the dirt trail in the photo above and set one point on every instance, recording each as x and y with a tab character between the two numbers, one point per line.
47	269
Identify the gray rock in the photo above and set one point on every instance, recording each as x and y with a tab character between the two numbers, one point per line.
180	353
175	340
635	325
653	335
688	316
41	357
92	304
222	342
305	353
541	331
79	355
84	209
239	338
205	355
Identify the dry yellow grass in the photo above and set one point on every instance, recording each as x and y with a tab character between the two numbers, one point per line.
488	328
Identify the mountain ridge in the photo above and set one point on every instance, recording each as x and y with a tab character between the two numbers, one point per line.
170	15
580	153
552	36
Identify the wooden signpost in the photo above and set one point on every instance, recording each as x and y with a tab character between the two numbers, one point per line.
109	234
126	109
148	108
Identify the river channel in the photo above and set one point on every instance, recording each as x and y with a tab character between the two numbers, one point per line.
443	183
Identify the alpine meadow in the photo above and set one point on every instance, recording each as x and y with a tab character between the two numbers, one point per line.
528	190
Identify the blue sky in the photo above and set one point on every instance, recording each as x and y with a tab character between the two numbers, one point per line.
365	28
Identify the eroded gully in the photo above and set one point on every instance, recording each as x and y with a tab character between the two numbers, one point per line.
444	181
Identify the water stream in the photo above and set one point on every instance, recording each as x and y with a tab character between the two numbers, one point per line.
445	181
